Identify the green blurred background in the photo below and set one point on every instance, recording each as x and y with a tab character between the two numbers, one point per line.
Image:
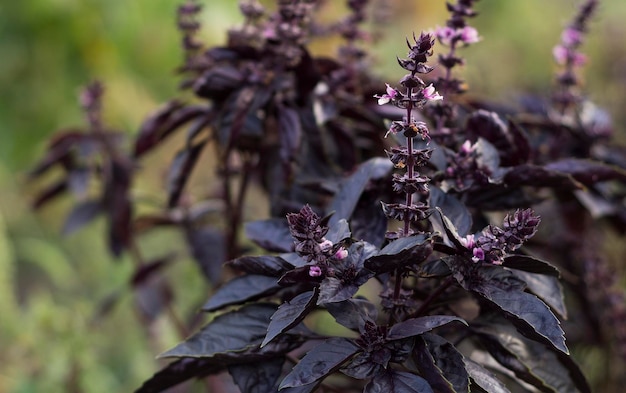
50	287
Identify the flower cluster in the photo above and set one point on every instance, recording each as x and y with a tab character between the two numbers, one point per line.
454	34
189	26
308	230
415	95
493	243
464	170
567	55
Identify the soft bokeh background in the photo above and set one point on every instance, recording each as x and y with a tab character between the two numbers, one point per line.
51	287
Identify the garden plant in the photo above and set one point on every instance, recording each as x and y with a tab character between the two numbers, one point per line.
435	231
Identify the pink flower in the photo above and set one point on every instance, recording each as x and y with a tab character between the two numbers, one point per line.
429	93
325	245
385	98
571	37
560	54
479	254
468	241
469	35
445	34
315	271
342	253
563	55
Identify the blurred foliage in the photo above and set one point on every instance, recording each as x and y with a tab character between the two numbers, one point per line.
49	286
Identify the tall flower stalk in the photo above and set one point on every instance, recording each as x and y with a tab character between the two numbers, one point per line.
455	34
415	95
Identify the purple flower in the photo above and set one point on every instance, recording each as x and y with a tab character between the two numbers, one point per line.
390	96
468	241
342	253
562	55
430	94
479	254
315	271
444	34
394	128
325	245
469	35
571	37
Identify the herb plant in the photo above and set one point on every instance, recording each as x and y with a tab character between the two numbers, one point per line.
415	224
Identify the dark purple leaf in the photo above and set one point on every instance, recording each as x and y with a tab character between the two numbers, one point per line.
180	170
272	234
264	265
353	313
452	208
234	331
178	372
489	158
207	248
320	361
346	199
117	204
338	232
434	268
163	122
548	370
442	224
530	264
547	288
393	381
485	379
411	250
290	131
218	82
537	176
289	314
58	151
152	128
78	182
240	290
259	377
80	215
586	171
152	297
50	193
440	364
144	272
416	326
529	314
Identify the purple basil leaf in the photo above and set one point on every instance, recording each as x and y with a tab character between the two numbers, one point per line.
345	201
290	314
434	268
353	313
81	214
178	372
361	366
207	248
150	132
338	232
530	264
393	381
546	369
440	364
399	253
240	290
537	176
489	158
261	377
529	314
485	379
49	193
272	234
152	296
290	131
320	361
264	265
442	224
452	208
416	326
117	203
547	288
146	271
180	170
586	171
230	332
